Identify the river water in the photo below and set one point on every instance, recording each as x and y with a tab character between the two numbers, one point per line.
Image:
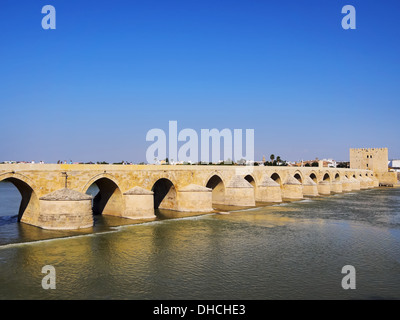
293	250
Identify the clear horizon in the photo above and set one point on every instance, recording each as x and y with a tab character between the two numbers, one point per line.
91	89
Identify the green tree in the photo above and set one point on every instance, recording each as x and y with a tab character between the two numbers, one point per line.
314	164
272	157
343	165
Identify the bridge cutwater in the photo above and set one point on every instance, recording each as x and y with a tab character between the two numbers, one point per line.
54	195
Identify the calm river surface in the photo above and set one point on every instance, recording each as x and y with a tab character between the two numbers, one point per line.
292	250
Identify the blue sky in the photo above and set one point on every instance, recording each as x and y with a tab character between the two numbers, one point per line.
92	88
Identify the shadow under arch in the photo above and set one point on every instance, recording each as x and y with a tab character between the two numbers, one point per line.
313	177
276	177
298	176
164	194
107	196
326	177
250	179
218	189
28	211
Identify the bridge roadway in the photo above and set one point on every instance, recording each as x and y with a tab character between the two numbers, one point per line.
54	196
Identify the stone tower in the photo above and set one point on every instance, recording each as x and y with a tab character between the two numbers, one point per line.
375	159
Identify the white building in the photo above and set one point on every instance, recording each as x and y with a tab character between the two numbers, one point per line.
331	163
394	164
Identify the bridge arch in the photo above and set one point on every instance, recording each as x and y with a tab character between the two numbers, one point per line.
326	177
297	175
217	185
250	179
313	176
97	177
164	194
337	176
29	206
276	177
109	199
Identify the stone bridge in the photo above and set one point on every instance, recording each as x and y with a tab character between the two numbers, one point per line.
54	196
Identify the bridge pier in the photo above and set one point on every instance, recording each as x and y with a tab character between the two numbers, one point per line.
324	187
292	189
363	183
194	198
370	182
337	187
355	183
239	192
65	209
139	204
346	184
268	191
310	188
